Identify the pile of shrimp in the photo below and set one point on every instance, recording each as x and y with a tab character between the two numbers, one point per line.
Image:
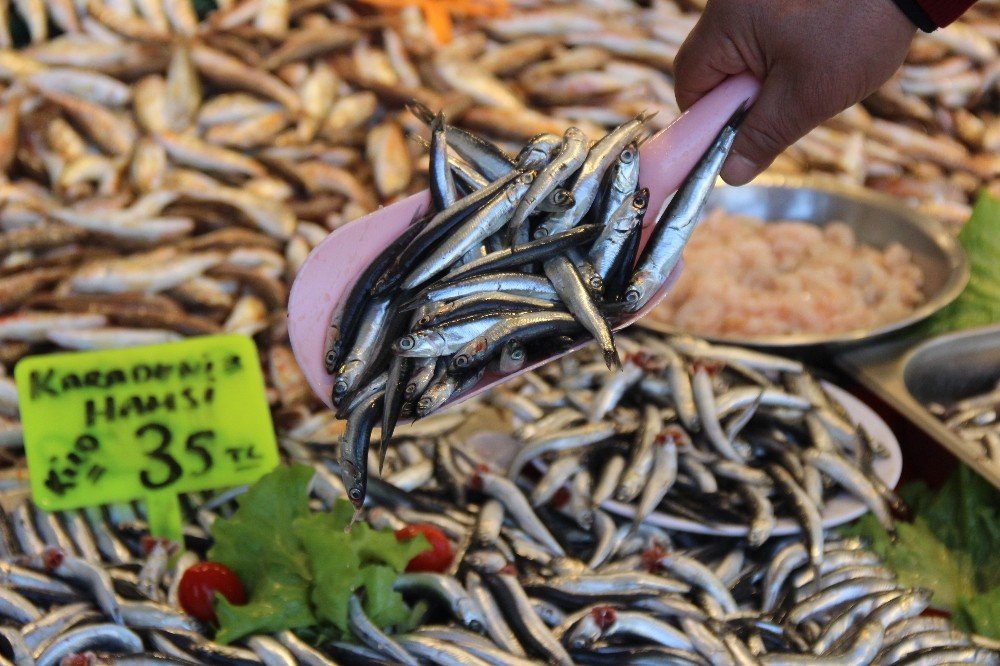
744	277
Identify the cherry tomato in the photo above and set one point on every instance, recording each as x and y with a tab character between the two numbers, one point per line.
438	557
199	584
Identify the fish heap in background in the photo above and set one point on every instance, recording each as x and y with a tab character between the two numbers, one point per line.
717	435
465	284
527	585
164	176
975	419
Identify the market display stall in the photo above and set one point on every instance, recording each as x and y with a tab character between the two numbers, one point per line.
656	498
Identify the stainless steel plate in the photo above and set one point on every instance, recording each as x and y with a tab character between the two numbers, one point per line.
876	220
909	373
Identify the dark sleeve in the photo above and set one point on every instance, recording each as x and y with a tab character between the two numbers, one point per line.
928	15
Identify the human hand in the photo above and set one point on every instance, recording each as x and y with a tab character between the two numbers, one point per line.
814	58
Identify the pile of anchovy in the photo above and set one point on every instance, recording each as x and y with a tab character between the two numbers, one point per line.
527	585
519	258
975	419
714	434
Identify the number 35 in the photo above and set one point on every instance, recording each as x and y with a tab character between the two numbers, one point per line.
172	470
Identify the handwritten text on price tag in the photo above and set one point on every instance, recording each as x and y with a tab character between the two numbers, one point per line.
112	426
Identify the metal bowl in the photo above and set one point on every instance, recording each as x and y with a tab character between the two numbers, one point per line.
876	220
908	373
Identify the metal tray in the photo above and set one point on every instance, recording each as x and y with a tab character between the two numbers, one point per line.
876	220
908	373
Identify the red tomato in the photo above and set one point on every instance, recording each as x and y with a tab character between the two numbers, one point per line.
438	557
199	584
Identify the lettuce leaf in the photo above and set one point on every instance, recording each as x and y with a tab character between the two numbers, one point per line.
276	604
979	303
952	547
259	536
983	613
300	567
344	562
258	544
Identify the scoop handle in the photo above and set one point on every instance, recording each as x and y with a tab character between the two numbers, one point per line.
332	267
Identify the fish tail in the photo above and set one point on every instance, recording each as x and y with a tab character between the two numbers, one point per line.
383	448
421	111
740	114
611	357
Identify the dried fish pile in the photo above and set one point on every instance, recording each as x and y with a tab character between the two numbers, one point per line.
527	586
713	434
464	286
975	419
931	135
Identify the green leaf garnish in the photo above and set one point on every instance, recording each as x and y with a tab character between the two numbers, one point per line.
300	567
979	303
952	547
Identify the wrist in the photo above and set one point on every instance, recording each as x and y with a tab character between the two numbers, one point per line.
914	12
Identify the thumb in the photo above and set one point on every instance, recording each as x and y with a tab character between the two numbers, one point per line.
777	120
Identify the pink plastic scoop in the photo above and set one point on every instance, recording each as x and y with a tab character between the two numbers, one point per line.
331	269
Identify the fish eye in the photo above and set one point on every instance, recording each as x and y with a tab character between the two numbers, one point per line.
423	404
632	295
423	321
461	361
331	358
541	233
628	155
340	387
406	342
355	494
517	354
528	177
596	282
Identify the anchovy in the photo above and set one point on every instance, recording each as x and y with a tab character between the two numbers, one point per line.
305	653
571	156
661	477
430	234
526	253
616	231
623	585
364	629
528	285
94	577
360	355
16	608
494	623
439	652
488	158
449	590
695	573
531	631
587	182
608	480
678	221
805	511
354	449
347	318
93	637
641	459
487	220
523	327
853	481
516	506
704	398
442	184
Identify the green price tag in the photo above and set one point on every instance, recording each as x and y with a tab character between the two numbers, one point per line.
145	423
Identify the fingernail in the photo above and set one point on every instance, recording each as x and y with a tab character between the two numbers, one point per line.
738	170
